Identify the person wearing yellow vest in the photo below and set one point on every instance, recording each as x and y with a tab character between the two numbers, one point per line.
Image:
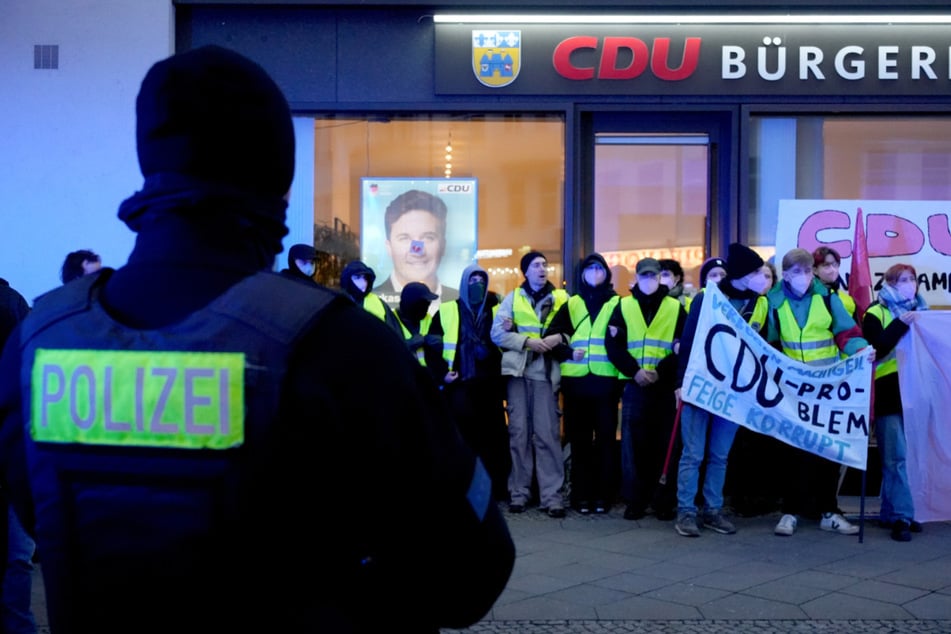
589	387
826	263
414	318
642	332
520	330
810	326
886	321
707	438
356	280
672	276
470	368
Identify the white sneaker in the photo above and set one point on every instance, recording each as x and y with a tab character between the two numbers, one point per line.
837	523
786	526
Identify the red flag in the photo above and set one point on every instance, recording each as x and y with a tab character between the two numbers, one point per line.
860	277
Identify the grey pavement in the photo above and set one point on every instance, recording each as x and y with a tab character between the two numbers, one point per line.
598	574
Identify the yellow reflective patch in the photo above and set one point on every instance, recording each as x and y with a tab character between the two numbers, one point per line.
186	400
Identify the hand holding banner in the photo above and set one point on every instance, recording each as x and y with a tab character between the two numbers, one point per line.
735	374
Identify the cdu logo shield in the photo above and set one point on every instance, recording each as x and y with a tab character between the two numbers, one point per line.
496	57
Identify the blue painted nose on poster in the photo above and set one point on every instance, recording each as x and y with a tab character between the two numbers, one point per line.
416	247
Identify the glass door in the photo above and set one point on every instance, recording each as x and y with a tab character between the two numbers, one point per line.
651	199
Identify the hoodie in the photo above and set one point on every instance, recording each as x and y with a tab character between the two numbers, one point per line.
346	280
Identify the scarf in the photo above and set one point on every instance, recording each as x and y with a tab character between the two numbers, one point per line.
889	298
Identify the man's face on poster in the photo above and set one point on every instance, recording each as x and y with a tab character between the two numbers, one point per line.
416	246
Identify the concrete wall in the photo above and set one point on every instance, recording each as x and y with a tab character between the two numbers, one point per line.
67	136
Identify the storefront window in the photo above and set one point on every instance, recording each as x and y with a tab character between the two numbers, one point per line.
843	158
514	164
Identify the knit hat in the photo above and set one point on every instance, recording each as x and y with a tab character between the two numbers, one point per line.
212	125
741	261
528	258
647	265
708	266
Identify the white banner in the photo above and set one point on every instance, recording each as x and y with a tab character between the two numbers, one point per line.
923	374
915	232
733	373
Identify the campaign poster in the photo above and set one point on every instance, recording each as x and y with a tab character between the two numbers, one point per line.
433	247
915	232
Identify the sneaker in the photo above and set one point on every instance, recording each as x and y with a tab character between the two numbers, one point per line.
716	522
600	507
901	531
556	511
686	525
786	526
516	507
915	526
837	523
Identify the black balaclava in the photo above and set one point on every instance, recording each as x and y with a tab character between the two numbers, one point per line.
346	282
215	142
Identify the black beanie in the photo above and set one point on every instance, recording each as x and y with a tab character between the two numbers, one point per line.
528	258
741	261
708	265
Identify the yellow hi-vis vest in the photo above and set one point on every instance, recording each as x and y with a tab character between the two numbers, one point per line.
523	314
760	313
847	301
649	344
889	363
423	330
814	344
449	320
375	305
590	337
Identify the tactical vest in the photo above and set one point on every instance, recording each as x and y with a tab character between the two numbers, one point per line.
590	337
889	363
813	344
150	445
524	316
649	344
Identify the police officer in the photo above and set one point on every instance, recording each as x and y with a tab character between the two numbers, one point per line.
185	419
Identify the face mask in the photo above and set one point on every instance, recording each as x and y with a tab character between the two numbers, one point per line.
307	269
594	275
801	283
907	290
360	282
476	293
667	279
648	285
758	283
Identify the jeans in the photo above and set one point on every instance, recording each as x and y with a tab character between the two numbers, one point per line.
695	423
16	616
896	493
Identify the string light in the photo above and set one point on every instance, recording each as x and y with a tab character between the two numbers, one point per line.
448	171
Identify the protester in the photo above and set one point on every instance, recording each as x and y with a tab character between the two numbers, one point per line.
640	343
227	483
471	372
812	326
356	280
301	264
826	263
707	438
79	263
899	305
414	319
672	276
590	387
712	270
520	330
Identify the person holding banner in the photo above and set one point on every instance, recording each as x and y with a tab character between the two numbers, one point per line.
705	435
886	322
590	387
642	333
810	325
